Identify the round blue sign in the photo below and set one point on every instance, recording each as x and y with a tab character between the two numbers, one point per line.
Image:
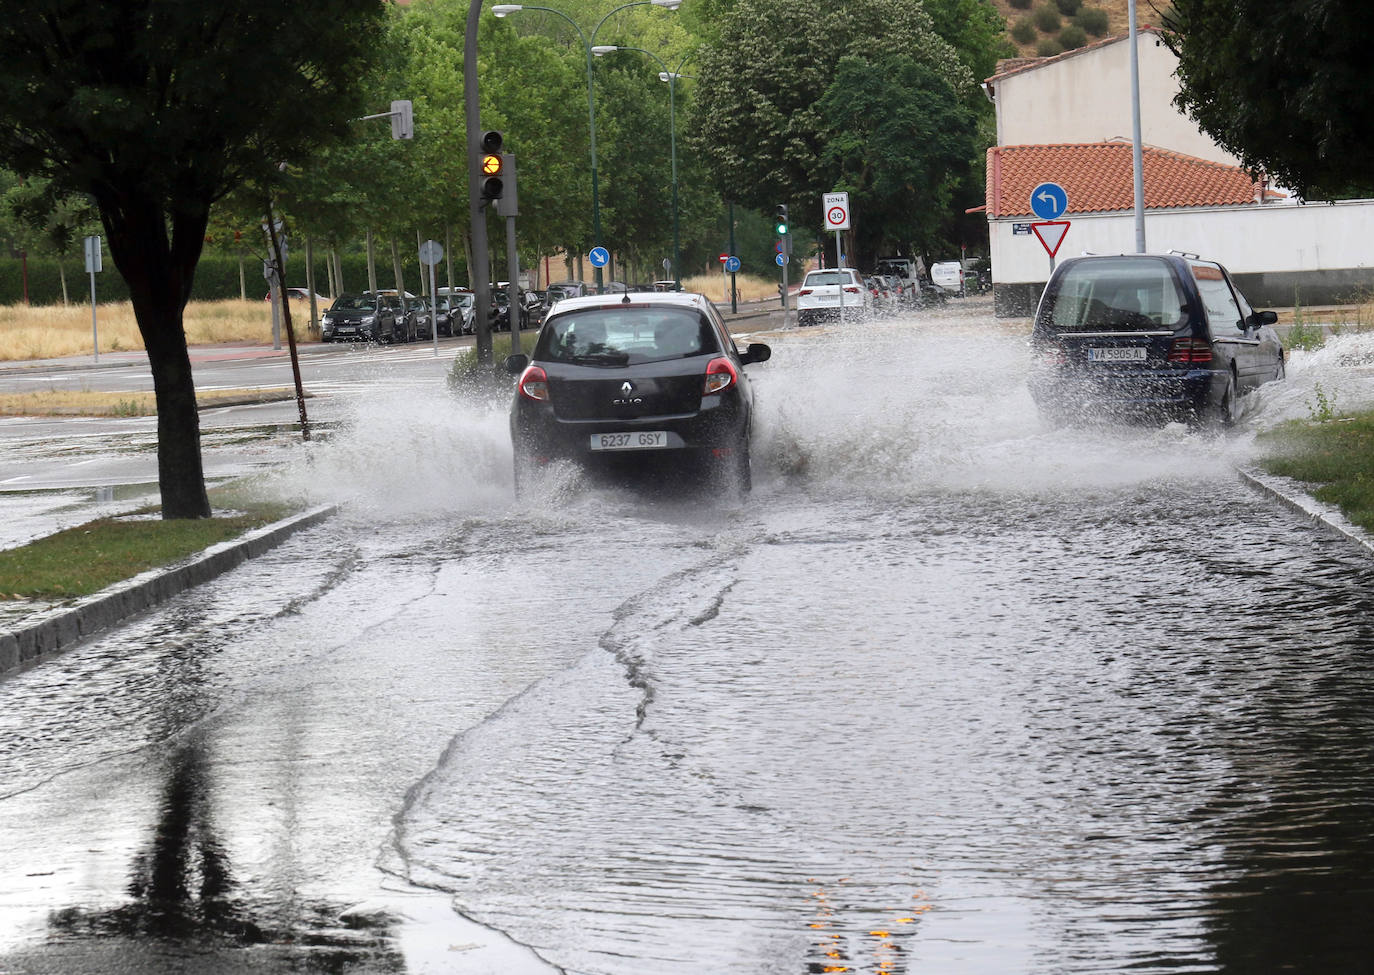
781	259
600	257
732	264
1048	201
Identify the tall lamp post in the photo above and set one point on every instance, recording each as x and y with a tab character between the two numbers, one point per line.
505	9
671	78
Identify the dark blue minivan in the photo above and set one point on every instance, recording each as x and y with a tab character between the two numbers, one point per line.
1154	336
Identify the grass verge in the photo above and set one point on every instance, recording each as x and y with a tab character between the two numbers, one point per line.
1335	456
93	403
85	559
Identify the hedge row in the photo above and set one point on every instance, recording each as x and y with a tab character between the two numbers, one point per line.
217	277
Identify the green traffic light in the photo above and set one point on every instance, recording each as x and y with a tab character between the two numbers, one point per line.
782	229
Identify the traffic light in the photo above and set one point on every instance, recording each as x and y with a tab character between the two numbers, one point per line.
493	166
781	213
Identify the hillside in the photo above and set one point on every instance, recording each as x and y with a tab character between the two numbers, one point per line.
1038	28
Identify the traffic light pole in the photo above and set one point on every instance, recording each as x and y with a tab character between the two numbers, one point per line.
477	271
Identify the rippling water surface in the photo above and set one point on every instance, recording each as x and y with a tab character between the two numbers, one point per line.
951	692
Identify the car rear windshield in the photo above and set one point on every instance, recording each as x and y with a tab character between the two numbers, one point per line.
1127	294
622	335
827	277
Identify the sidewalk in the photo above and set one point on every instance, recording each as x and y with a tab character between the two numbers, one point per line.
59	627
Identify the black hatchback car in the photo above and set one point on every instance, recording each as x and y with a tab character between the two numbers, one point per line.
366	317
637	380
1158	336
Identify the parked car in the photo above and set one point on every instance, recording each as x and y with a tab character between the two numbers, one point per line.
566	289
667	286
366	317
418	318
948	276
300	294
462	310
821	293
647	381
1159	336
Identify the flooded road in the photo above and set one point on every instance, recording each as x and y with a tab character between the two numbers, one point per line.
951	692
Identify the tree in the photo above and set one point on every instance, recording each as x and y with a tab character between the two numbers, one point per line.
156	109
1283	85
762	122
901	138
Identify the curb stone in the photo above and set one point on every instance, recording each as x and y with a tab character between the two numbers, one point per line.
58	630
1293	494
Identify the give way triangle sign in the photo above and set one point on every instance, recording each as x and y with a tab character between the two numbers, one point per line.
1051	234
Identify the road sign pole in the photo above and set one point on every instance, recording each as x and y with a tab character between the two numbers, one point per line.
839	263
784	293
95	334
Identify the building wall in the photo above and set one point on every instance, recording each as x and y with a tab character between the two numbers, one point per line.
1318	253
1086	97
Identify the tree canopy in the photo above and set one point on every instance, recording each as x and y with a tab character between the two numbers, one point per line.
1283	85
155	109
796	100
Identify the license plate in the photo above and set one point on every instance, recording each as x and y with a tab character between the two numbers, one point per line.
1116	354
638	440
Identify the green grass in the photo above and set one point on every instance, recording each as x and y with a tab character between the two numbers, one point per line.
88	558
1336	456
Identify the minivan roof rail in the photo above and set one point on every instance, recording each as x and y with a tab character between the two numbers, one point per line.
1184	254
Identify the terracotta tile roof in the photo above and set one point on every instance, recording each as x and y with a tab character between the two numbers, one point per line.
1098	178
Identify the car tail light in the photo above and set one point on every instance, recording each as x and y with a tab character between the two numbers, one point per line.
720	375
852	289
534	384
804	291
1190	350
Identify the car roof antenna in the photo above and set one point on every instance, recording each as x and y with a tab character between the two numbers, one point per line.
626	299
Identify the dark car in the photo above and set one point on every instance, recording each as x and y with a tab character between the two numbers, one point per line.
366	317
418	317
641	380
1157	336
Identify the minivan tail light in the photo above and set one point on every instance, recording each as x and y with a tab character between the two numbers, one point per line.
720	375
534	384
1189	350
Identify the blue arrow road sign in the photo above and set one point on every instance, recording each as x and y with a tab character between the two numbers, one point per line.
781	259
732	264
600	257
1048	201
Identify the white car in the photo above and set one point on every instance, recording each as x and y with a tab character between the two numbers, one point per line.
823	291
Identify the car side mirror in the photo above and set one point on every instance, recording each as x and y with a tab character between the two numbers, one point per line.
756	352
516	364
1263	318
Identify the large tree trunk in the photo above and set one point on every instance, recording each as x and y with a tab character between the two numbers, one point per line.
159	273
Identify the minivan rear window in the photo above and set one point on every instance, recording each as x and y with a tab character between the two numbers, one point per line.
1130	294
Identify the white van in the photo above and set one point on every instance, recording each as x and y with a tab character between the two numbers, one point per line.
948	276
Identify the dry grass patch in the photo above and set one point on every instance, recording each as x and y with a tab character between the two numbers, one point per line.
750	287
53	331
90	403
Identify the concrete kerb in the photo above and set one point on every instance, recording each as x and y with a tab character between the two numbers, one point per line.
60	629
1292	494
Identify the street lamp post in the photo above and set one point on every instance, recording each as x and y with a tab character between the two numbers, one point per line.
671	78
505	9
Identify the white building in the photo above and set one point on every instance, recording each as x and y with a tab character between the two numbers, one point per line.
1067	120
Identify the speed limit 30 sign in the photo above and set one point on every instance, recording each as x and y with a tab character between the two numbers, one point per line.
836	208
